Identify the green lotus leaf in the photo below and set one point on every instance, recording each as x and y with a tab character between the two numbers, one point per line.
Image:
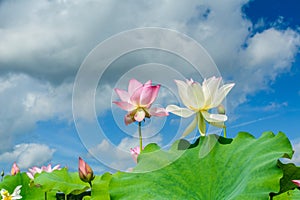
289	195
290	172
27	192
62	181
100	187
215	168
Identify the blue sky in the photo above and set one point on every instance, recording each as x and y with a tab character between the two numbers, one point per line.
254	44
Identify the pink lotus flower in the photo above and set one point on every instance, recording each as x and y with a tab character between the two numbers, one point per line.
135	152
86	173
34	170
296	182
137	101
14	169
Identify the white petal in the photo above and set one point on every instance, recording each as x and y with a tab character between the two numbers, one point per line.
210	87
182	112
183	92
191	96
198	92
217	124
190	127
213	117
221	94
16	193
2	192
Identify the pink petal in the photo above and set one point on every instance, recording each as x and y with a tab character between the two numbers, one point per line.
139	115
136	96
135	152
124	96
148	83
30	175
124	105
133	86
128	119
37	170
148	95
159	112
47	169
296	182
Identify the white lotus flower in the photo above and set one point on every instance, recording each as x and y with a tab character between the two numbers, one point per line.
199	99
15	195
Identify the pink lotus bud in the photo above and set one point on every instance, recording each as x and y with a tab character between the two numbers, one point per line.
135	152
14	169
86	173
296	182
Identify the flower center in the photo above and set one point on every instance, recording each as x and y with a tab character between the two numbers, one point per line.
6	196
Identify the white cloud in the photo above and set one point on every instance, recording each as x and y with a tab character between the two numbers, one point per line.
48	40
25	101
275	106
267	55
272	49
28	155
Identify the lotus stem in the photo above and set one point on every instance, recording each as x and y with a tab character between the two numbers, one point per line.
140	136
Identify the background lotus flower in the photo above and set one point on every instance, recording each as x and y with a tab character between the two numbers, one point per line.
296	182
137	101
86	173
34	170
199	99
14	169
15	195
135	152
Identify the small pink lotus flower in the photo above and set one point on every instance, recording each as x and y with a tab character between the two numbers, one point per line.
86	173
296	182
34	170
137	101
14	169
135	152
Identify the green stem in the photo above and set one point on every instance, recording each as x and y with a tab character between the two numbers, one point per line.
45	195
140	136
201	124
91	184
224	129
